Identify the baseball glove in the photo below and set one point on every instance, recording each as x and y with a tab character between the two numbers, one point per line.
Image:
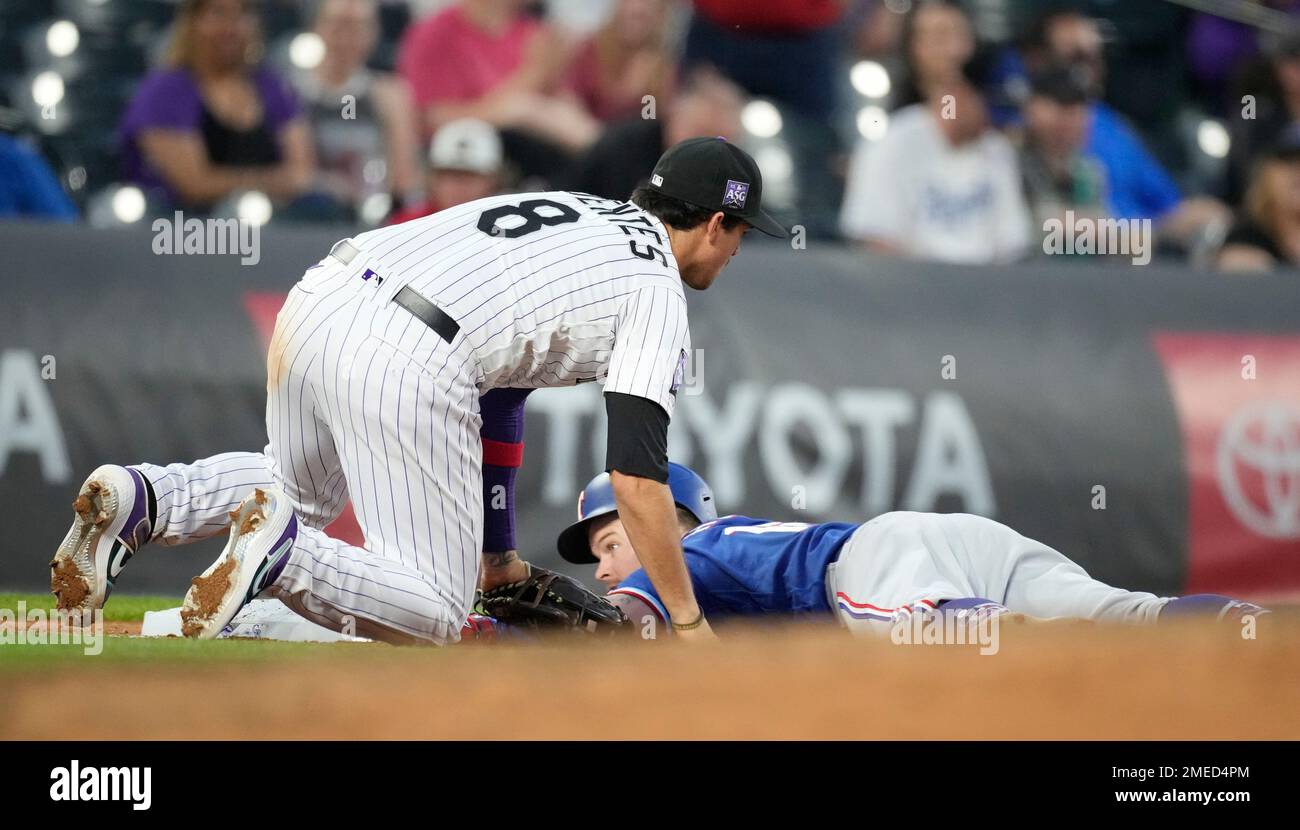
552	601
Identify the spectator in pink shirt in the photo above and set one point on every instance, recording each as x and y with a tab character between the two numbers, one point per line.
627	59
488	59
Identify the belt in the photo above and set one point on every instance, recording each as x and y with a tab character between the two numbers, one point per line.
407	297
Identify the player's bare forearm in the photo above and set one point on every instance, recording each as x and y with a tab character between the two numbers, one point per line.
646	508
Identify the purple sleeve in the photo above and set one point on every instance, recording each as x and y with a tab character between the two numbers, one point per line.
278	99
502	411
167	99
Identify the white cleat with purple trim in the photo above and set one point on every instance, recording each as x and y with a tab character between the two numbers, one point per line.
262	533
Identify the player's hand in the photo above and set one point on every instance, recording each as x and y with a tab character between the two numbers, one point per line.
499	569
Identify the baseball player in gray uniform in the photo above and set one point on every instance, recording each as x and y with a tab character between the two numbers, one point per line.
379	360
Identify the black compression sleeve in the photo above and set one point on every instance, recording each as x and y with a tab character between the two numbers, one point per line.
638	437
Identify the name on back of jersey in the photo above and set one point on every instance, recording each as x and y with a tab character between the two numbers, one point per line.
630	219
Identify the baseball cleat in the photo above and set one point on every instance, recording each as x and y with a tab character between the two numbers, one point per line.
262	531
114	516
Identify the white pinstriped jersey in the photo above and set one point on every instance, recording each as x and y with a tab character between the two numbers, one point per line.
549	289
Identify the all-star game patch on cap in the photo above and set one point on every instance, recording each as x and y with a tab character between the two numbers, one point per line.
715	174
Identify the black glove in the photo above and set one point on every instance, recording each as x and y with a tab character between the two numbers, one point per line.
546	599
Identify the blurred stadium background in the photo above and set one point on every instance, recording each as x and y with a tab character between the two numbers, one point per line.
916	347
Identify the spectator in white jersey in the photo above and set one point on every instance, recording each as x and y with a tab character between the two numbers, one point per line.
464	164
941	184
374	377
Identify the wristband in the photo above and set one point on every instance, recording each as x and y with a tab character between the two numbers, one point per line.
503	453
690	626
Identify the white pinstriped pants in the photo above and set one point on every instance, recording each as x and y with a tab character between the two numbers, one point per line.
364	402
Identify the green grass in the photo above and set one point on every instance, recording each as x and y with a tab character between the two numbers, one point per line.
120	607
152	651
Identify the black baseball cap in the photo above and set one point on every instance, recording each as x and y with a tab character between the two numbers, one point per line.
714	174
1062	84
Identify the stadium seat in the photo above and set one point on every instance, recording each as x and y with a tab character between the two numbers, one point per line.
22	13
77	136
102	55
280	18
82	166
116	16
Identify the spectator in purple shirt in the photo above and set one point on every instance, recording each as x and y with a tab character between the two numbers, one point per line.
214	122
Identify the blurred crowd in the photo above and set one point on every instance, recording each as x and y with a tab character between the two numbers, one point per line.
933	129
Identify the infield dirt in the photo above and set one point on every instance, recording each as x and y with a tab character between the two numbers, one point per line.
1189	681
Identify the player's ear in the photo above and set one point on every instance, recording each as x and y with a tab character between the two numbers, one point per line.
714	227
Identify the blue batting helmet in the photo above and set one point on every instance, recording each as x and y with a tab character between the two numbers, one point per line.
690	492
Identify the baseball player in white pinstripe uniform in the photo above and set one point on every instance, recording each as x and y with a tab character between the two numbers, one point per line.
374	377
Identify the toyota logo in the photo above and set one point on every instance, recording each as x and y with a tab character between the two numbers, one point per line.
1258	464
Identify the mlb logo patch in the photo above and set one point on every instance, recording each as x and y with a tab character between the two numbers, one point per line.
737	193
